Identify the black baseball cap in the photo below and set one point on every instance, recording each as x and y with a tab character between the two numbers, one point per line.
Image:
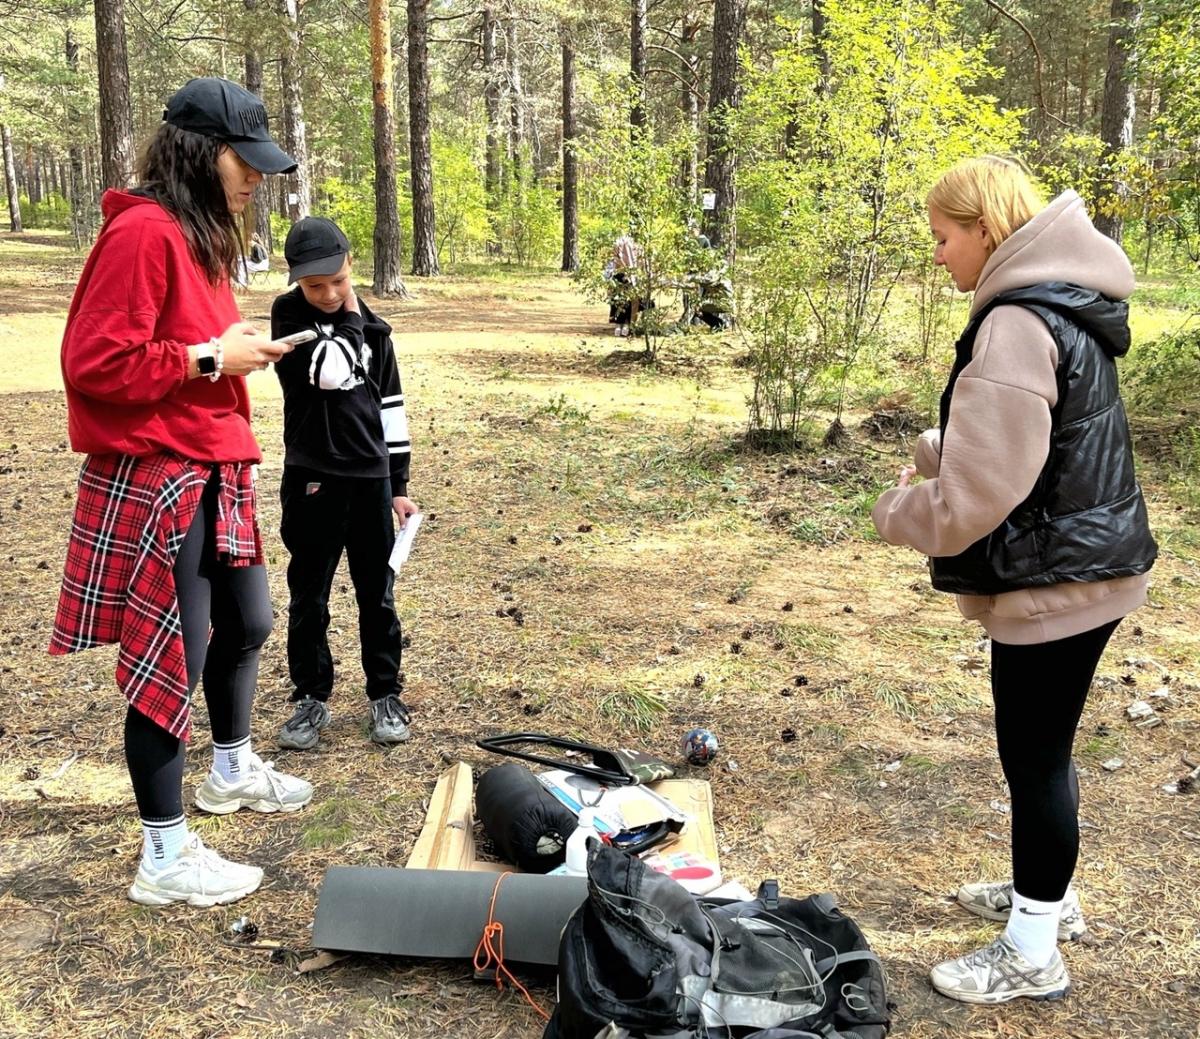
216	107
314	246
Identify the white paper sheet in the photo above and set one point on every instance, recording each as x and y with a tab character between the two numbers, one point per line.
404	542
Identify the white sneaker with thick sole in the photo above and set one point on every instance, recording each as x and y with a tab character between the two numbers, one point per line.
997	973
197	876
260	789
993	901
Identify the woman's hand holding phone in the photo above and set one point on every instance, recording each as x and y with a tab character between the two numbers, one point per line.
247	350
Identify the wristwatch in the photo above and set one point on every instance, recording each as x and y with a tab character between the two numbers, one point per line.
206	360
210	359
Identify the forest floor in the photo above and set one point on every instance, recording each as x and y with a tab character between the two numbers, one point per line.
662	579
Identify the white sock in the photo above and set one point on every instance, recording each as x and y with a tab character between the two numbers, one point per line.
161	841
229	759
1033	928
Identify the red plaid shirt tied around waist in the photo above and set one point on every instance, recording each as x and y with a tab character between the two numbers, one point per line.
131	516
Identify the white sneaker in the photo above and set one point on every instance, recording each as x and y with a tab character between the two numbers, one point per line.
997	973
993	901
197	876
261	788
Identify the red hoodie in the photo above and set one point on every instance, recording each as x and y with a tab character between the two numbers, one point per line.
141	301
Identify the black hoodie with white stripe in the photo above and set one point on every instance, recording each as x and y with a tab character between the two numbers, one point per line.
343	405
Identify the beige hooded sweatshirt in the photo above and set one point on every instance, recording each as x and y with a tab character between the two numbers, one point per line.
998	432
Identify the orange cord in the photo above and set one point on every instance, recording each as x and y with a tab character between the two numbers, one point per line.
493	952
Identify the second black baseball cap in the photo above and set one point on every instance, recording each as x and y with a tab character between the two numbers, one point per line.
314	246
218	108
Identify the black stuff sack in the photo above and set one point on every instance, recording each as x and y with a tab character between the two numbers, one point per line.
528	825
643	959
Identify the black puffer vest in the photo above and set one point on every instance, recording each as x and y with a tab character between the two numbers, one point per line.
1085	519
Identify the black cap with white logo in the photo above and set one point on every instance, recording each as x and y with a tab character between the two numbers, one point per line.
314	246
218	108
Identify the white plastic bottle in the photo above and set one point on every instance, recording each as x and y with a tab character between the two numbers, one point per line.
577	842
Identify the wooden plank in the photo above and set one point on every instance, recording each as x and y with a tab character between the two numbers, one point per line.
694	798
446	840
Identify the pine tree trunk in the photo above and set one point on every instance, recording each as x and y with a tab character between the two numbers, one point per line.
637	64
299	192
1116	120
425	257
33	164
80	224
10	180
31	170
389	240
689	106
728	16
116	116
820	48
260	216
491	100
516	120
570	182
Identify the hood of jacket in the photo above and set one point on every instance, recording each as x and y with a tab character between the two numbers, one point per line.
1060	245
115	202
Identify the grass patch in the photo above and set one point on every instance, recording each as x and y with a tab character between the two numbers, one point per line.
809	639
896	699
634	705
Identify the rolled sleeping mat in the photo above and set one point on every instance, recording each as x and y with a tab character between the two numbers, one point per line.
527	823
441	913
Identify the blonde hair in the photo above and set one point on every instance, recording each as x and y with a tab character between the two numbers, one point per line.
997	189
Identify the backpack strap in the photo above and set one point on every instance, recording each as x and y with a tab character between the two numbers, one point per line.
833	962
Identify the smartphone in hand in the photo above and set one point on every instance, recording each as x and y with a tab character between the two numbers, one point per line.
296	338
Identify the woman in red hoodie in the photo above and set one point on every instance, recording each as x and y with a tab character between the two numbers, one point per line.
165	545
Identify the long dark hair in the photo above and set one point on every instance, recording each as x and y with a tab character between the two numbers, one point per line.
178	169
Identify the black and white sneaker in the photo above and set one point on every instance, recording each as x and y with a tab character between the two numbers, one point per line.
389	720
302	731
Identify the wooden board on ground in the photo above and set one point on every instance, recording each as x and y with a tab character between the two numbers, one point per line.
447	838
693	797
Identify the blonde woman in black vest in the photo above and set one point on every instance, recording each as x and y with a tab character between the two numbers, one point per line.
1031	514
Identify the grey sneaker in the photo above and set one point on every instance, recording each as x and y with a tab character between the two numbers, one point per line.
994	902
389	720
260	788
302	730
997	973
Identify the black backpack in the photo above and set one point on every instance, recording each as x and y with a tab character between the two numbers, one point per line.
644	959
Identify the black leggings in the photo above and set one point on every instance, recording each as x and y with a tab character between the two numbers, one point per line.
1039	693
236	603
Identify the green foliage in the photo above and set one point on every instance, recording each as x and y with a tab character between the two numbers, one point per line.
837	174
1163	376
630	184
459	198
351	207
52	211
528	221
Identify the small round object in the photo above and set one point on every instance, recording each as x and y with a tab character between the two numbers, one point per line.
699	747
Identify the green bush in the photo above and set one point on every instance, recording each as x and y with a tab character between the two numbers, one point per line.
528	218
459	198
352	208
52	211
1163	376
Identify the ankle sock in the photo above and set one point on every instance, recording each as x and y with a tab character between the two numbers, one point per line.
1033	928
230	759
162	840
